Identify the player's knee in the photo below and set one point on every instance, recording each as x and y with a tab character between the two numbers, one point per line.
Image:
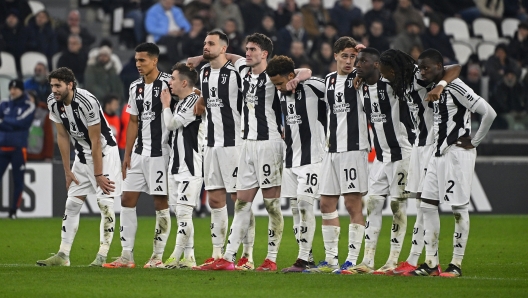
161	203
73	206
183	212
328	206
330	215
305	204
272	206
395	204
294	206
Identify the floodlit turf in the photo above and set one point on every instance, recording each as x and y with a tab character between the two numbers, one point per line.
495	264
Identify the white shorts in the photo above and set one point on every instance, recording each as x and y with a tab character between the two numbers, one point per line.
147	174
221	167
389	178
260	164
184	189
448	178
301	181
344	172
85	175
418	167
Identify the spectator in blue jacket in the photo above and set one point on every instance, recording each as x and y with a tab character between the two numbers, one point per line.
16	116
39	82
343	13
165	19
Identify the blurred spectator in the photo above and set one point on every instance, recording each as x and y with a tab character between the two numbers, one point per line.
284	12
446	8
115	59
16	114
322	60
490	8
298	54
73	26
40	139
254	11
121	138
292	32
21	6
497	63
518	47
435	38
343	13
110	104
133	9
236	40
358	31
415	52
227	10
42	38
101	76
515	9
192	42
381	14
166	22
329	35
315	18
405	13
15	36
267	28
128	75
74	58
39	82
333	66
376	38
199	8
409	38
509	101
473	78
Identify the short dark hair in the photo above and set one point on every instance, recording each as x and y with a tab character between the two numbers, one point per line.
262	41
344	42
280	65
189	73
150	48
63	74
372	51
433	55
220	35
108	98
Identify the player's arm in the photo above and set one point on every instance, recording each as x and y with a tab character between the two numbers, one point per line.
301	74
94	132
63	142
171	122
451	73
131	132
488	114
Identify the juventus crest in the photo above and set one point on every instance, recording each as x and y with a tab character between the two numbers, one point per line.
223	79
156	91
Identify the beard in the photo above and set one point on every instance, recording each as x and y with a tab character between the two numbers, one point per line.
209	56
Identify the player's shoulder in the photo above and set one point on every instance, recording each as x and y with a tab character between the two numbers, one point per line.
50	100
163	76
135	83
230	66
458	86
85	98
206	66
331	74
314	82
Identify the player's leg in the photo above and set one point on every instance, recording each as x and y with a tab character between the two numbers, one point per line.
18	163
356	231
246	261
460	238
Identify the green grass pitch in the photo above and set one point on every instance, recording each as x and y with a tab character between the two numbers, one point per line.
495	264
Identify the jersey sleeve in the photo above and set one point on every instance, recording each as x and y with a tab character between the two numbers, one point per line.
418	82
91	110
240	64
131	106
463	94
53	114
185	114
317	85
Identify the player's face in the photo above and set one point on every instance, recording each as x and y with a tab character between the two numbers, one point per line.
429	69
176	84
254	54
213	47
144	63
281	81
387	72
366	65
60	89
345	60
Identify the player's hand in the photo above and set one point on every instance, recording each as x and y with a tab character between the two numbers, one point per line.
292	84
360	47
357	82
464	142
193	62
69	178
125	166
199	107
434	94
106	185
165	98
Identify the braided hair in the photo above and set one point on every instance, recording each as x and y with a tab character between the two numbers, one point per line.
404	68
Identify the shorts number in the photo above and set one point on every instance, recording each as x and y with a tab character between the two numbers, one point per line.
235	172
402	176
350	174
160	176
267	169
186	183
311	179
452	185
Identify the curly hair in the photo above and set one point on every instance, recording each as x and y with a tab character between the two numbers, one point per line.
404	68
63	74
280	65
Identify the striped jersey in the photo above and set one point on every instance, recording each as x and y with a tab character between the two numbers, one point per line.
185	154
222	92
452	115
83	111
346	121
421	110
144	102
304	112
261	114
390	121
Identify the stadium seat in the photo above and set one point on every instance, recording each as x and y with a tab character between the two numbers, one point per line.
28	62
8	67
55	60
457	28
36	6
488	30
485	50
462	51
509	26
364	5
4	86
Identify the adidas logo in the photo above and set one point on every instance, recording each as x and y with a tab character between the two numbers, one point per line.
182	232
140	97
309	190
352	246
414	242
184	198
331	87
446	198
266	181
63	228
303	240
458	245
271	243
158	188
158	239
367	237
394	240
351	185
123	239
109	230
213	235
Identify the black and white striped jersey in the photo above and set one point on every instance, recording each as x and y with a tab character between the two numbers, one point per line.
421	110
144	102
347	128
261	114
390	121
222	92
185	154
83	111
452	114
304	115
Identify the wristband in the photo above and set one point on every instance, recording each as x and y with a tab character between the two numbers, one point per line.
442	83
98	175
